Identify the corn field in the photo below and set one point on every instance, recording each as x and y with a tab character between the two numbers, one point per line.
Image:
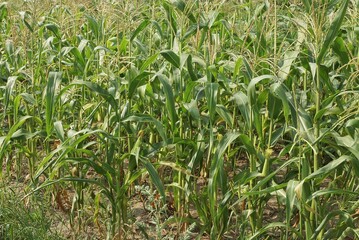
174	119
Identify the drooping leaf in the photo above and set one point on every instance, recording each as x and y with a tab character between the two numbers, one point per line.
181	5
99	90
328	168
225	114
155	178
54	29
289	57
171	57
59	130
147	118
241	100
266	228
137	82
193	110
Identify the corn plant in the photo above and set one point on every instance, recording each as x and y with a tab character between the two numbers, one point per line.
239	118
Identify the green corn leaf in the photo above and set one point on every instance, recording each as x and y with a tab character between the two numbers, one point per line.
270	176
241	100
181	5
137	82
59	130
211	96
99	90
24	134
323	171
324	192
141	46
193	110
98	168
70	144
223	145
328	217
48	183
266	228
305	123
79	59
176	167
352	144
147	118
170	16
3	11
9	90
218	180
289	203
289	57
29	98
274	106
276	135
348	142
252	90
279	91
140	28
189	93
324	76
170	102
171	57
183	60
267	190
341	50
52	83
54	29
135	151
225	114
303	191
5	140
123	45
198	156
352	123
83	43
148	62
9	49
95	26
191	30
65	50
25	17
333	30
155	178
307	5
248	144
190	69
212	19
157	27
255	103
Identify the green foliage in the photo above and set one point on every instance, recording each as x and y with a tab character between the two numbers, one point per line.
240	118
20	222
